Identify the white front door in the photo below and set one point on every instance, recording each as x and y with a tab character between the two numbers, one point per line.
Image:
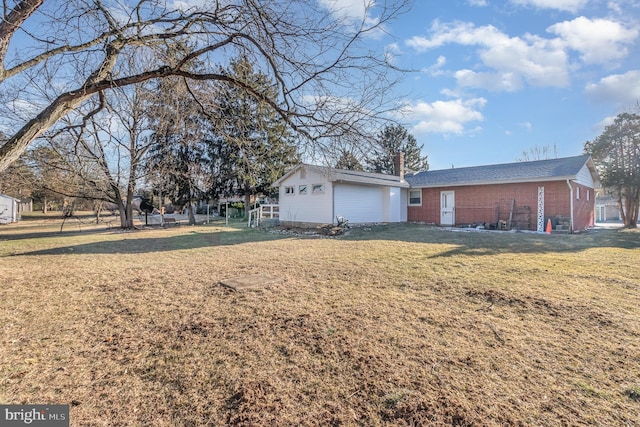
447	208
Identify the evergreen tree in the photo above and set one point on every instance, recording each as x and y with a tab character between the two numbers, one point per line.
617	155
177	161
349	162
390	140
251	145
177	158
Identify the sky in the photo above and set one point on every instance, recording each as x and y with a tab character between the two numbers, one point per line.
491	79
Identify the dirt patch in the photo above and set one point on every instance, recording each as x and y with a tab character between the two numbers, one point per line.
251	281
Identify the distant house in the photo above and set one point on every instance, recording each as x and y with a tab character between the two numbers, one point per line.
523	195
9	211
607	209
312	195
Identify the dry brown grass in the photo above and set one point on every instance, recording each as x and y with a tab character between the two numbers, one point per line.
390	325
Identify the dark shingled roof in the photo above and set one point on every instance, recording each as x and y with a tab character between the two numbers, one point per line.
541	170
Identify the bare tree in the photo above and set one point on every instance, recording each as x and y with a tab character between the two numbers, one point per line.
56	56
545	152
101	158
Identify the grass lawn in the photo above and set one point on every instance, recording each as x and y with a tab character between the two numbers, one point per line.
393	325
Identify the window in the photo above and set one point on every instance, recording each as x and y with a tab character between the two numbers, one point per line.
577	193
302	189
415	197
288	191
317	188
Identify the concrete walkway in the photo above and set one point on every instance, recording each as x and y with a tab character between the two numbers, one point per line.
609	225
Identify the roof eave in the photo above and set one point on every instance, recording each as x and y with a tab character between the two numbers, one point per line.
381	183
495	182
286	176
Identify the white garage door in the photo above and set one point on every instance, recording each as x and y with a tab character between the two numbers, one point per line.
359	204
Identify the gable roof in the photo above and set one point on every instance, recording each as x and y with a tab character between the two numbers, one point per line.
4	196
536	171
348	176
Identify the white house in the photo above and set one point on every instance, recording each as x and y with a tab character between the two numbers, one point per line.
311	195
8	209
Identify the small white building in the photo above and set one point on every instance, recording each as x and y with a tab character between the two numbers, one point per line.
8	209
312	195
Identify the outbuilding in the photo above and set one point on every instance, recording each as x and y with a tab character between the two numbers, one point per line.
310	195
9	211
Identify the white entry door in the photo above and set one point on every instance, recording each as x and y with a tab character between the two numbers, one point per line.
447	208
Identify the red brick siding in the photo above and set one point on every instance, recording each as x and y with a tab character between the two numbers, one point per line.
583	209
488	203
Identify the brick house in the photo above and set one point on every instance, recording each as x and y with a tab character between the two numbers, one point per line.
523	195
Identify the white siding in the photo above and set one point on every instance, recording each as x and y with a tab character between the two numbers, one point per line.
404	202
397	205
585	178
311	207
361	204
8	209
358	203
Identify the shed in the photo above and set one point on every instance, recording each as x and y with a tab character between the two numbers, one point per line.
523	195
9	211
311	195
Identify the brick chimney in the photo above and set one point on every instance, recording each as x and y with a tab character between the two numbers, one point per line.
398	165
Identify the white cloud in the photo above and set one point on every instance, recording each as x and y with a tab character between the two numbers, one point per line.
600	126
527	125
513	60
355	12
598	41
436	69
620	89
350	9
391	52
506	81
444	117
565	5
508	63
477	3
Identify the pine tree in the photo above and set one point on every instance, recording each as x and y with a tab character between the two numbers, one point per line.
616	154
392	139
349	161
177	158
251	145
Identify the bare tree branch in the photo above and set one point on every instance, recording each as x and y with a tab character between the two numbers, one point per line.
328	82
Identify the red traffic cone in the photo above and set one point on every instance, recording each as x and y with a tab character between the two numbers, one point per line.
548	229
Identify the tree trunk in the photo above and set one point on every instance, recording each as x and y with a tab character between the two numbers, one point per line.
98	211
129	221
247	202
122	208
632	203
621	208
192	217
